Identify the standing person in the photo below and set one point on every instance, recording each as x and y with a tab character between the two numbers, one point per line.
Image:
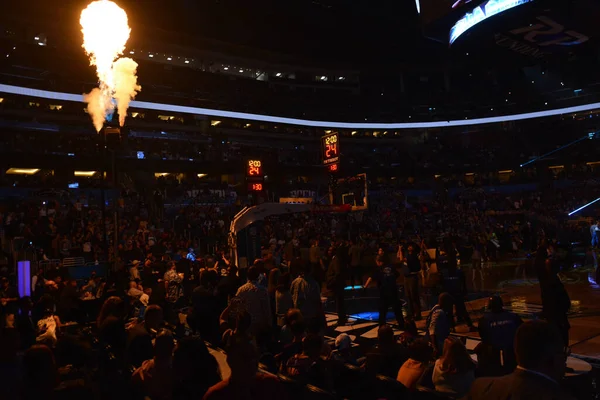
497	329
454	283
555	299
476	258
541	364
355	252
335	283
595	233
314	257
256	300
173	289
283	298
411	282
306	295
386	276
437	325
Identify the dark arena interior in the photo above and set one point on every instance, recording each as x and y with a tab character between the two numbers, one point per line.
323	199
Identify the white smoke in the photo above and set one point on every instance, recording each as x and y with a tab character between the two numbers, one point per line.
96	107
126	86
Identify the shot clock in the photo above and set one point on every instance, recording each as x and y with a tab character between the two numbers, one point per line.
254	169
254	176
330	150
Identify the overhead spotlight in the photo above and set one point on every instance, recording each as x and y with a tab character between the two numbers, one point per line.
151	55
278	74
187	61
132	52
169	58
562	84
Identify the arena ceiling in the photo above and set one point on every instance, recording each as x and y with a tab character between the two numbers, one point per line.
361	33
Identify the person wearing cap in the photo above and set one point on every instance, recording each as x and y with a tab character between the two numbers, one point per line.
497	329
343	350
386	276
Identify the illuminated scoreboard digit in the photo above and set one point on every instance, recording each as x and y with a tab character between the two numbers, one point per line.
254	169
255	187
330	146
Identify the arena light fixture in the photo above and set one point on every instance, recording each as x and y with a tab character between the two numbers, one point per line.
86	174
22	171
159	174
44	94
201	175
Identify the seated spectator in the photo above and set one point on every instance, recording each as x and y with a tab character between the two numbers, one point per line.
387	358
286	335
541	363
111	324
196	370
134	290
343	350
241	329
454	372
139	337
242	358
40	375
420	357
309	367
298	330
155	377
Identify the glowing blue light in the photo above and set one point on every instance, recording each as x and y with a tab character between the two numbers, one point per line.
584	206
355	287
481	13
22	91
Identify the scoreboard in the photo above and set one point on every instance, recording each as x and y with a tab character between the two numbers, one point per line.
330	151
254	169
254	175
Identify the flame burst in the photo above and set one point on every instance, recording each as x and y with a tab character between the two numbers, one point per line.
105	33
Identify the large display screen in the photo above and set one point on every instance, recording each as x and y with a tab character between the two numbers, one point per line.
481	13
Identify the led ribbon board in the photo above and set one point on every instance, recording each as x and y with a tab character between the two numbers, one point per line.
481	13
142	105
